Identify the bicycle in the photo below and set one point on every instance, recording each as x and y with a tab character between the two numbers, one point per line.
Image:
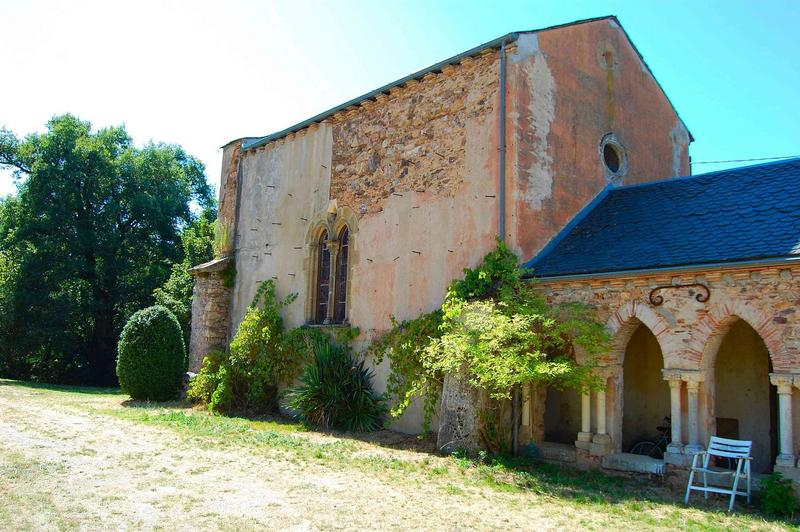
656	447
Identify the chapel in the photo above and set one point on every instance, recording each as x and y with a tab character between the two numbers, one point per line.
561	142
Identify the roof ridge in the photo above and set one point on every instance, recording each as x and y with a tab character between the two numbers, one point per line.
706	174
254	142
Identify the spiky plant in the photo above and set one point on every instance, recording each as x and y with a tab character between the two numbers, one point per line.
335	391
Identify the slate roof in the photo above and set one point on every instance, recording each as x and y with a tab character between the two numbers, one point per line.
742	214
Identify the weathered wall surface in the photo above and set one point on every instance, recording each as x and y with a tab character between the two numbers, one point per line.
690	332
210	317
419	168
413	139
228	183
564	96
284	185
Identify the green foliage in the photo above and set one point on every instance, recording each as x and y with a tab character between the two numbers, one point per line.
176	292
404	345
152	356
93	230
336	392
777	496
262	355
499	330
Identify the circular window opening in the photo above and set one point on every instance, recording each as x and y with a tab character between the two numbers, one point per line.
615	160
611	158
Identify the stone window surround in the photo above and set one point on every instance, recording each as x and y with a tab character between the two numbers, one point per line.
333	220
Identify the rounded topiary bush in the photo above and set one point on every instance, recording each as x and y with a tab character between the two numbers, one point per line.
151	356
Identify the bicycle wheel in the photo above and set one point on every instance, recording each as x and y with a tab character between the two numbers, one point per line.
647	448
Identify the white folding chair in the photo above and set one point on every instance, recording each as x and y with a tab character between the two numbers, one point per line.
738	450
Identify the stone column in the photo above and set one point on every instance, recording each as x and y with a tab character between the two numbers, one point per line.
585	435
600	404
675	388
785	384
692	389
601	442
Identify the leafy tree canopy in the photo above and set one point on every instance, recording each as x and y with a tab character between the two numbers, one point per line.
94	229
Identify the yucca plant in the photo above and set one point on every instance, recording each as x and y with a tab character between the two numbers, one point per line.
335	391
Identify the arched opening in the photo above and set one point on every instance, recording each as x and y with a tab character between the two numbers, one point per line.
745	403
646	398
340	289
323	279
562	415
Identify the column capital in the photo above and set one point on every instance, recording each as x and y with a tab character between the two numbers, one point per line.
784	379
607	371
692	386
672	375
695	376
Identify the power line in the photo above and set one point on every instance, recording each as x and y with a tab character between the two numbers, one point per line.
747	160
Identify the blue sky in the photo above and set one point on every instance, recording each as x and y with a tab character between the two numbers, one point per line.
202	73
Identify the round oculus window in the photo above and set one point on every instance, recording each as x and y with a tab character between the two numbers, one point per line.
611	158
615	161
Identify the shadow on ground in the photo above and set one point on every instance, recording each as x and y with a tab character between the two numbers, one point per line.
66	388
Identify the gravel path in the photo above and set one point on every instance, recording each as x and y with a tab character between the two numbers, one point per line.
71	468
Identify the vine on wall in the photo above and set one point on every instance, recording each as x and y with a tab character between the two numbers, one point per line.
497	329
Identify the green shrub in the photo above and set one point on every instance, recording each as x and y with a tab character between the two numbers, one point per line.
497	328
777	496
262	356
151	355
336	392
203	385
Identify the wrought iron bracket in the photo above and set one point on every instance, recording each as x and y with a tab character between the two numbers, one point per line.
701	296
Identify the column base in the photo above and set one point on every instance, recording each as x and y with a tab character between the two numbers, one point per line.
693	448
675	448
584	440
601	445
785	460
677	459
789	472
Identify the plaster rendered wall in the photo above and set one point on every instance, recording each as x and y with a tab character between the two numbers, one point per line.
690	332
743	389
421	171
418	167
284	185
645	392
562	100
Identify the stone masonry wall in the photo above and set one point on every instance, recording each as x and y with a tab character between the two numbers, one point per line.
689	332
210	317
414	138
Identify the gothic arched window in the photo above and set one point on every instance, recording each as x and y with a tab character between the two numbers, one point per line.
340	287
323	279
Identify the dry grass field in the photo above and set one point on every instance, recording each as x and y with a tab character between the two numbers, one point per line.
87	459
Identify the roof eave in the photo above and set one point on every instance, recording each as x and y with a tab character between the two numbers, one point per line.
644	272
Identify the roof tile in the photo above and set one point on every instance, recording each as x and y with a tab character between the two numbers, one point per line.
740	214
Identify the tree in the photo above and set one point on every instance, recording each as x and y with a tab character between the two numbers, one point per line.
197	241
93	230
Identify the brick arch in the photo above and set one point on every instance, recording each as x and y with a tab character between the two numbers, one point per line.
707	334
624	322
